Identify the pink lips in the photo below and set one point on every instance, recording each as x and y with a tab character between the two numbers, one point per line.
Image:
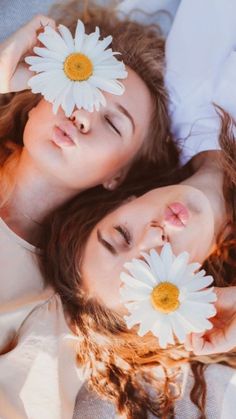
66	134
61	139
176	214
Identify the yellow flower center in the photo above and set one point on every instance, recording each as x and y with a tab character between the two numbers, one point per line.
78	67
165	297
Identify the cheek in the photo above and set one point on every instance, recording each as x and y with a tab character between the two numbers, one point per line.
200	244
101	282
102	160
39	125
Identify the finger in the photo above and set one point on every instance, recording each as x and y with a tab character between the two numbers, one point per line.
38	25
198	342
211	344
188	343
33	28
20	79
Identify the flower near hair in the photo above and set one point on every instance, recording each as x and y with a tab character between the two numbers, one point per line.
74	71
166	296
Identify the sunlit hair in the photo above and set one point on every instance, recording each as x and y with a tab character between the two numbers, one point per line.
123	364
141	48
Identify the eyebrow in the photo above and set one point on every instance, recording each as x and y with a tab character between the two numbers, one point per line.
105	244
126	113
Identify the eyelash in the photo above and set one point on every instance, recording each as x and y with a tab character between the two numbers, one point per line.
125	233
112	125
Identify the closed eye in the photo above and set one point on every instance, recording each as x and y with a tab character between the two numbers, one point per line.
124	232
105	243
112	125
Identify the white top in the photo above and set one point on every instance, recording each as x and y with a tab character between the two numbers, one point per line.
38	374
200	67
220	382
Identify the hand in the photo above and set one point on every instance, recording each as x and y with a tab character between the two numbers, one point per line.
222	337
14	72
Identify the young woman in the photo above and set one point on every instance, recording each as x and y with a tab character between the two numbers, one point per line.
38	176
86	272
16	351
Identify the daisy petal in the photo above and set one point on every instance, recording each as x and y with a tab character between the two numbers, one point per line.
179	328
110	86
57	37
196	324
39	60
47	66
199	309
53	43
144	315
99	99
167	258
131	294
46	53
101	46
110	72
178	267
91	41
164	333
68	102
142	273
79	36
198	284
133	282
57	85
206	296
157	265
67	37
106	56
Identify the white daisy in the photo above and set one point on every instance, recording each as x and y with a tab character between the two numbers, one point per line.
72	71
165	295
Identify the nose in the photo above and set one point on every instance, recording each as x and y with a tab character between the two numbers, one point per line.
153	236
82	120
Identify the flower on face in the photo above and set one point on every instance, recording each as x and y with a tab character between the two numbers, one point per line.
166	296
72	72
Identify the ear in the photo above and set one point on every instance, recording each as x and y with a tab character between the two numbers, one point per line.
112	183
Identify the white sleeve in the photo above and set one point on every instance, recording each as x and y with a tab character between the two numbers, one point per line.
198	53
39	377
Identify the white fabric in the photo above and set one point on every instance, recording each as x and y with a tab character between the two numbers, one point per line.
150	12
200	67
220	382
38	373
15	13
201	70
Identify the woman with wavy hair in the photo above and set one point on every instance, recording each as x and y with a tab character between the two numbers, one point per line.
85	251
39	172
90	322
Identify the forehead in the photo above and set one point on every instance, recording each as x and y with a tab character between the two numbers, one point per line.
136	99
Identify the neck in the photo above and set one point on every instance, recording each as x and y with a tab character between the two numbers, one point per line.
209	178
34	196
